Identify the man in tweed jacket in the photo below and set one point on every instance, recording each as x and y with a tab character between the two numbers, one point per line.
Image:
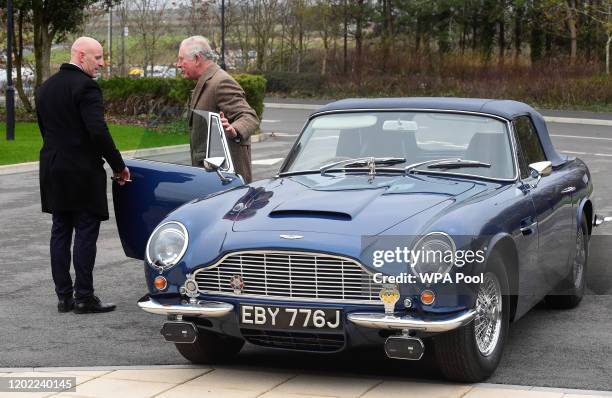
216	91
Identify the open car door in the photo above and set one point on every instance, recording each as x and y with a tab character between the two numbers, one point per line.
158	187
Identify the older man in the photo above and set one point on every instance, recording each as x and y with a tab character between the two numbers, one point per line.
216	91
72	177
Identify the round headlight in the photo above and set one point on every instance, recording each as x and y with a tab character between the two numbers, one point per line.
437	254
167	245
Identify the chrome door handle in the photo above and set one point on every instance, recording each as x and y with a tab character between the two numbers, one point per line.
528	225
568	189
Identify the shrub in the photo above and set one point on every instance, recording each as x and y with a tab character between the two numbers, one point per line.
167	98
254	87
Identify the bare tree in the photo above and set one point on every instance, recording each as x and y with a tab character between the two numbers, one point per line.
264	15
192	11
148	19
601	12
123	17
242	29
571	8
327	26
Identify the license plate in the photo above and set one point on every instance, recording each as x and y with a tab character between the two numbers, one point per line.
272	317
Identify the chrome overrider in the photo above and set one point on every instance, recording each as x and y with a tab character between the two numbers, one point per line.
197	308
379	320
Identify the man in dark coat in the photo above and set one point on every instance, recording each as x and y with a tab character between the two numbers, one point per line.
216	91
72	178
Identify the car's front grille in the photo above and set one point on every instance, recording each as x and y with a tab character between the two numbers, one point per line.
293	275
304	341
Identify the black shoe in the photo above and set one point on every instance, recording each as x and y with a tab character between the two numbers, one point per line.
93	305
65	304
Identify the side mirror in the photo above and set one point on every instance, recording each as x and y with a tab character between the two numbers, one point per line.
539	170
215	164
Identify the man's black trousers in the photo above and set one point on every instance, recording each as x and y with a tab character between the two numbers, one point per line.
86	228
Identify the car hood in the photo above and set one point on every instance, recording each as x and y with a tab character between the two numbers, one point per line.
341	203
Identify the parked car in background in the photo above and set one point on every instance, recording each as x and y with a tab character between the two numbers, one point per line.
294	262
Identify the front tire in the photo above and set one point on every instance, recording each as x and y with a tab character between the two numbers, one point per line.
472	352
576	280
210	348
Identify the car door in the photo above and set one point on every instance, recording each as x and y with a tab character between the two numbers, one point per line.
553	206
158	187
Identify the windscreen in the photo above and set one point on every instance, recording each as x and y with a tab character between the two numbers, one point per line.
415	136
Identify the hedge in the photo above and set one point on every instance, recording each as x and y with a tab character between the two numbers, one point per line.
167	98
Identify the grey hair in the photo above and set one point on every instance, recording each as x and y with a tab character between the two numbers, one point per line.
195	45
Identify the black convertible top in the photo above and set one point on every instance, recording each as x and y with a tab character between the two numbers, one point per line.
506	109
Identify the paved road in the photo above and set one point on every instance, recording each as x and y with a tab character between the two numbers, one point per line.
570	349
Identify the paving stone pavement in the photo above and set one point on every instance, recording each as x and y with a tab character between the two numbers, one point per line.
232	382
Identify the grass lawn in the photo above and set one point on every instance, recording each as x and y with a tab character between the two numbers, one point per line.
27	143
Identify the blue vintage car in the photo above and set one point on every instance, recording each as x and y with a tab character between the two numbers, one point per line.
321	257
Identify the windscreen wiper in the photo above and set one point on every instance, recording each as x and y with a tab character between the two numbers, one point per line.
457	164
361	162
445	164
412	167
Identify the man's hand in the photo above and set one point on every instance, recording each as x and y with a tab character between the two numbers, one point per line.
122	177
230	131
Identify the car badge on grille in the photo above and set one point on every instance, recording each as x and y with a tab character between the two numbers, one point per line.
237	283
291	237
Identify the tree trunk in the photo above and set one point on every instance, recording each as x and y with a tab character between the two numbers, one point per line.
417	37
298	67
573	29
502	41
42	43
475	25
518	33
358	41
326	51
608	53
345	59
18	52
387	34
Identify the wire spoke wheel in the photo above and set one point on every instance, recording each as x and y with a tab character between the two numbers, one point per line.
488	321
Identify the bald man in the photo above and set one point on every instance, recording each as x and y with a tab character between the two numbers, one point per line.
76	141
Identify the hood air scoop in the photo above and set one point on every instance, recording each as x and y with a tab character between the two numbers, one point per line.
317	204
330	215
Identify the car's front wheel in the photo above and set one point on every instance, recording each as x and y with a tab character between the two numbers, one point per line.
472	352
210	348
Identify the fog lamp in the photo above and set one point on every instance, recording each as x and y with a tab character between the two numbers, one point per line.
160	283
428	297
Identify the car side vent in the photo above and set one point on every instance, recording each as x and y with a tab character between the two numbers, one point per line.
330	215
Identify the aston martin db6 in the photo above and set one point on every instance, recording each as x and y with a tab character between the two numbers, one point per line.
408	224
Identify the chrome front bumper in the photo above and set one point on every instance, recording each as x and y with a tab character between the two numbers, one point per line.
201	308
377	320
